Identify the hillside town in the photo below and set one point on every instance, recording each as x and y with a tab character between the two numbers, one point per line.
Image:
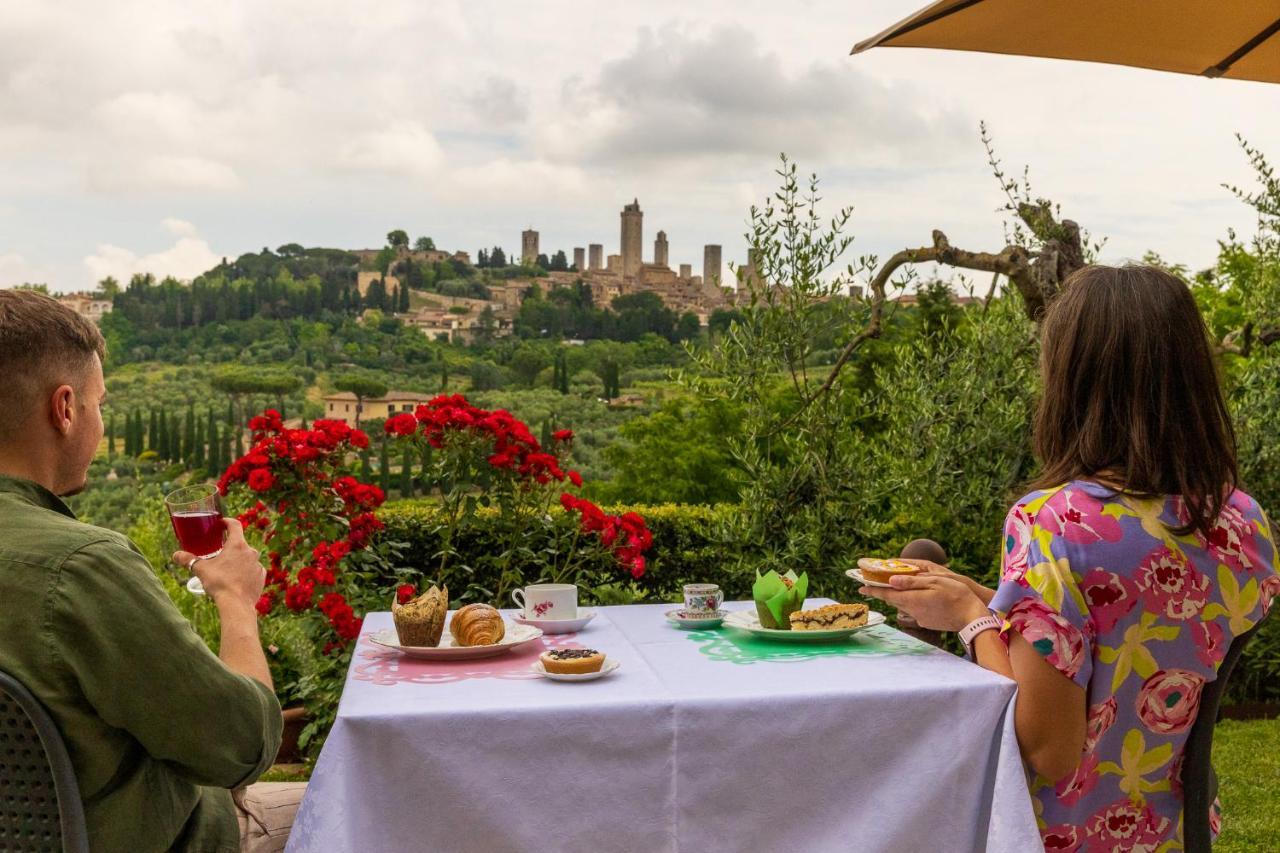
458	318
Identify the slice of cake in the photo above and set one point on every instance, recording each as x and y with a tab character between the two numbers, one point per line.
829	618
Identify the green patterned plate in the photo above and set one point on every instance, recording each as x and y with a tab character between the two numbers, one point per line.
747	620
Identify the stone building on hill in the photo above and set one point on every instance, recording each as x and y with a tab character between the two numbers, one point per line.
86	305
342	406
528	247
632	238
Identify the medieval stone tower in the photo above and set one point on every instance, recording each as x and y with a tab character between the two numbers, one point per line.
529	247
711	267
580	259
595	256
632	237
660	249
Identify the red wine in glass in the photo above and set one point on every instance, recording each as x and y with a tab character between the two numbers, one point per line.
196	514
199	531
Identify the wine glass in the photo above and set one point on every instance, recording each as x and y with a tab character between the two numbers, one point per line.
196	515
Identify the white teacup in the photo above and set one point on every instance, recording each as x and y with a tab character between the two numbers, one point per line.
548	601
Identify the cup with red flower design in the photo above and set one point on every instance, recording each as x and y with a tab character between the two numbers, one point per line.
547	601
702	599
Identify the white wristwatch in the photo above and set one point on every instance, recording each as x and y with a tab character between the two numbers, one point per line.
976	627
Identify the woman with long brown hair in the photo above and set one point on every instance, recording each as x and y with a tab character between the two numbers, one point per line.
1126	571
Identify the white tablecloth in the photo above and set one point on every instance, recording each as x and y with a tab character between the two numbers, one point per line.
701	741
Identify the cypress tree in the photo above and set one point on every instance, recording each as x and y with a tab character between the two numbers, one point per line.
216	465
162	436
239	438
111	437
406	473
188	451
128	434
231	413
546	434
197	450
153	437
384	467
211	439
224	452
424	480
139	437
366	470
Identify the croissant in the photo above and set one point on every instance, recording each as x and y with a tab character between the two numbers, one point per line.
477	625
421	621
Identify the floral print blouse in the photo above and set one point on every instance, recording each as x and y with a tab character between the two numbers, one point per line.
1141	618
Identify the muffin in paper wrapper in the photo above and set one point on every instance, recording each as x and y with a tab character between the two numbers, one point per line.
778	596
420	622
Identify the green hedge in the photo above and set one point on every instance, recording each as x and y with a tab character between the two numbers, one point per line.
691	544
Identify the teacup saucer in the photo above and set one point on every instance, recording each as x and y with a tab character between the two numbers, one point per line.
558	626
684	619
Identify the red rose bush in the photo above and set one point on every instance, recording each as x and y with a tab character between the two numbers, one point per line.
317	524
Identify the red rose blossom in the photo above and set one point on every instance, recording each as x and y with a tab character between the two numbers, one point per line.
260	480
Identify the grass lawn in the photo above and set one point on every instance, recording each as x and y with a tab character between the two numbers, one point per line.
1247	758
1245	754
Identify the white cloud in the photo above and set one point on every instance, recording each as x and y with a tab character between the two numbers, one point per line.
402	148
189	256
472	120
726	96
16	269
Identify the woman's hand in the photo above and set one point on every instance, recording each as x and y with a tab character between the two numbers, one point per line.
940	601
936	570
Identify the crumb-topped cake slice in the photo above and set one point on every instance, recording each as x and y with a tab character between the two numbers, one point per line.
830	618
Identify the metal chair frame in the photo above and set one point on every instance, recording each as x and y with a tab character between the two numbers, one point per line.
27	822
1199	782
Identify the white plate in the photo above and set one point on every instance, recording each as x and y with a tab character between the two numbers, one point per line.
610	664
856	574
678	618
748	620
516	635
559	626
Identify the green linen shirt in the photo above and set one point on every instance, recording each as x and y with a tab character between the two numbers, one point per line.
158	728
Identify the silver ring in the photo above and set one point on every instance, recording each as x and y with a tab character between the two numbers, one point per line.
191	565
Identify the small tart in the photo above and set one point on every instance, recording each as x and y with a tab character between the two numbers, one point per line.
572	661
881	570
829	618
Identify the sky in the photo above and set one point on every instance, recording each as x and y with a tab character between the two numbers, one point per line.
161	137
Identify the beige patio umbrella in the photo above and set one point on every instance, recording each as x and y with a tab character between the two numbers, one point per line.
1239	39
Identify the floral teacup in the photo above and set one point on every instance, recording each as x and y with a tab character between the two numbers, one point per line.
702	598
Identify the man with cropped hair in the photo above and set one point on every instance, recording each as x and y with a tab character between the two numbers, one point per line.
160	731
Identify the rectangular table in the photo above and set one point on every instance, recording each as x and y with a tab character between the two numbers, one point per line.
701	741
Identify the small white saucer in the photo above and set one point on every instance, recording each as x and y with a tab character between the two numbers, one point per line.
857	575
558	626
683	619
610	664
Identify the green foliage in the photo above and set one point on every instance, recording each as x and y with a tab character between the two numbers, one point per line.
689	546
952	443
363	387
682	453
809	491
